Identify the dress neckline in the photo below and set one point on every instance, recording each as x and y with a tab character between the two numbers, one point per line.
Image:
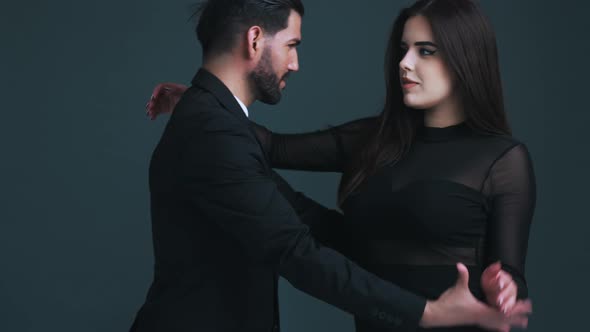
436	134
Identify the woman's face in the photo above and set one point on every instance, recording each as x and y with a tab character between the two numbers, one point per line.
425	79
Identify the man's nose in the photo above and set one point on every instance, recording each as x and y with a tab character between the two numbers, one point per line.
294	63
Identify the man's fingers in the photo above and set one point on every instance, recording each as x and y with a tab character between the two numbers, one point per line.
521	307
463	275
519	321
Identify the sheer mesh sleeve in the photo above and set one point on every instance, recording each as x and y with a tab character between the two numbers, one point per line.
513	195
325	150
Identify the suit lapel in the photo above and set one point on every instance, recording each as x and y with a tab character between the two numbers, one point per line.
204	79
211	83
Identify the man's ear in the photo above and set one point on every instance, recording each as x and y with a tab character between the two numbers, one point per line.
255	41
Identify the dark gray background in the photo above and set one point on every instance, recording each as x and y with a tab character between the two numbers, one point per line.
75	246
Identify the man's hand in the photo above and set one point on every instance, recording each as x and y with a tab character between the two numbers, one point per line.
499	287
457	306
164	98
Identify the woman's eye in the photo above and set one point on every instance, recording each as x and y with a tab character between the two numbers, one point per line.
424	51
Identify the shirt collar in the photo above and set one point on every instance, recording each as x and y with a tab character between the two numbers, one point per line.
244	108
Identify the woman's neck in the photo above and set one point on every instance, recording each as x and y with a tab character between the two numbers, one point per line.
445	114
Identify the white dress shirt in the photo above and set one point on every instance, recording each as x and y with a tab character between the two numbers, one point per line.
244	108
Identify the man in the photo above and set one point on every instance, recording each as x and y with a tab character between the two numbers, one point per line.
222	229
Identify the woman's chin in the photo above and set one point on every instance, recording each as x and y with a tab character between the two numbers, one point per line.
415	105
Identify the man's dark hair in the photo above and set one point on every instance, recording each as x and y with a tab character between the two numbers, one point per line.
221	21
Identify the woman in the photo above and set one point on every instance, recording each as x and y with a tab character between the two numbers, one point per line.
436	178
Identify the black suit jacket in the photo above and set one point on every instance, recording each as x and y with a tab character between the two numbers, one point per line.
223	232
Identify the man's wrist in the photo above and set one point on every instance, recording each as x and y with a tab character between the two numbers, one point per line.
429	315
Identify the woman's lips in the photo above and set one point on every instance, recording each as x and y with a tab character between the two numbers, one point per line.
408	86
408	83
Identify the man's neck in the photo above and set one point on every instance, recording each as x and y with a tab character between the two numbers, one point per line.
234	77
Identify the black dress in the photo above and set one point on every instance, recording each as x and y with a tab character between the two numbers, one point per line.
457	196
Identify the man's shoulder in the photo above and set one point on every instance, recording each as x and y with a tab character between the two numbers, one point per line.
199	101
200	110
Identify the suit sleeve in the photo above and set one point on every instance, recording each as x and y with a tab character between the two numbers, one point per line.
326	225
225	177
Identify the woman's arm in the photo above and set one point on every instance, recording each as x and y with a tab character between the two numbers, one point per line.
513	196
326	150
164	98
323	150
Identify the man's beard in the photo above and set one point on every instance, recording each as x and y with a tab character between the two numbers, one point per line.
266	83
